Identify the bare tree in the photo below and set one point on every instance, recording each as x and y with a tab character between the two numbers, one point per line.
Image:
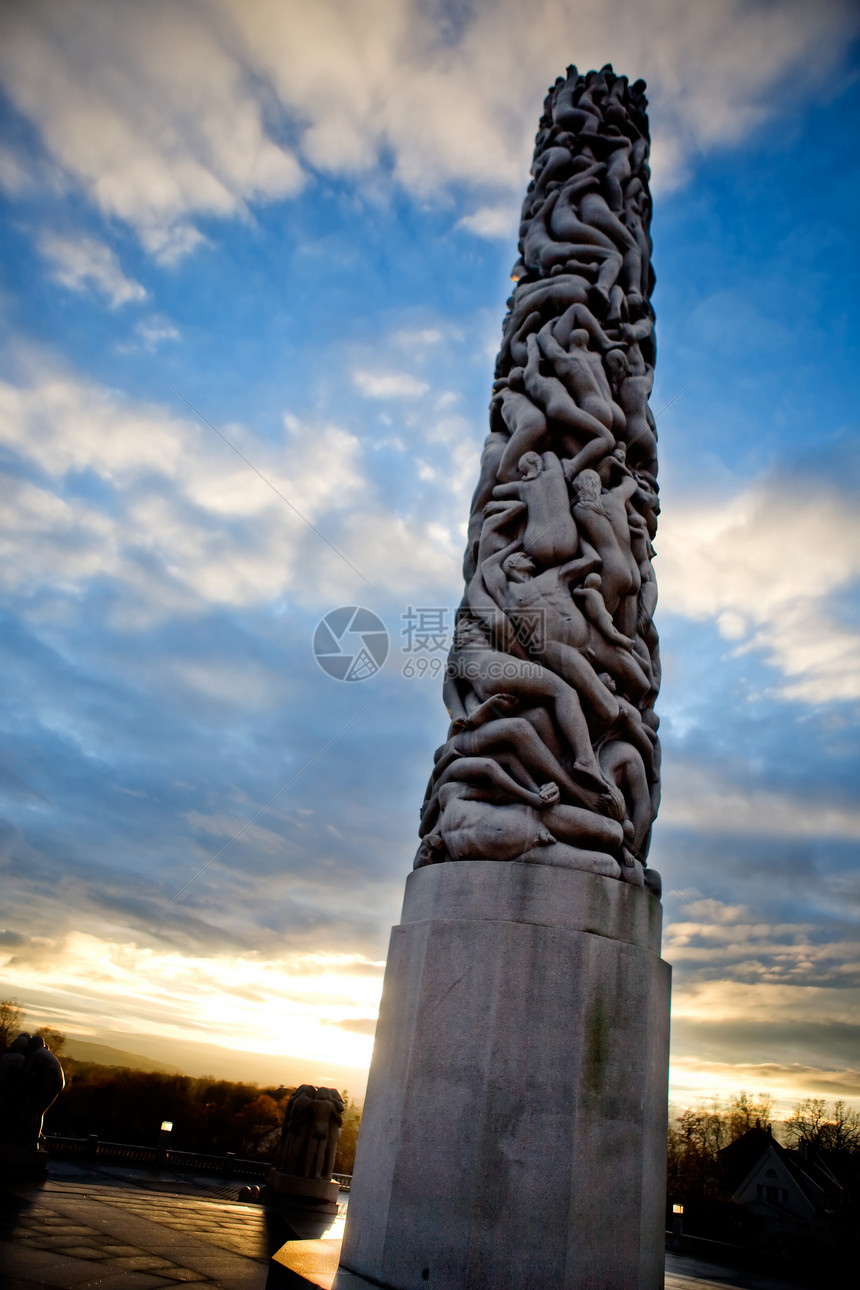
810	1122
11	1019
55	1040
745	1112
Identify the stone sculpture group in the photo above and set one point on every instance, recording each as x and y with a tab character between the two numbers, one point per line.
31	1079
310	1132
552	755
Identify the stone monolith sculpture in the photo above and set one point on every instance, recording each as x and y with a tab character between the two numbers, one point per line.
31	1079
309	1136
515	1125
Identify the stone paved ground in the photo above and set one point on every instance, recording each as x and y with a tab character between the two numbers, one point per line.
683	1272
121	1229
110	1228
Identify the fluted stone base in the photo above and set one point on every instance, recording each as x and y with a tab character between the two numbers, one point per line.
514	1132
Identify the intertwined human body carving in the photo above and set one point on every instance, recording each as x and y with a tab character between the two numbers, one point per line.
552	755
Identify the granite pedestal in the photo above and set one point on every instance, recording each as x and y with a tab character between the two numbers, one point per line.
514	1132
289	1191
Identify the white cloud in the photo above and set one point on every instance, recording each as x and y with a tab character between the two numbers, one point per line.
388	385
185	524
491	222
418	340
696	798
693	1080
165	111
221	999
732	1000
146	105
769	566
83	263
155	330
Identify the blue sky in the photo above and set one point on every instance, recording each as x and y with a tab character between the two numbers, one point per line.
296	222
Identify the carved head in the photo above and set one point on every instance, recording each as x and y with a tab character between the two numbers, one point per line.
616	364
587	487
470	634
518	567
530	465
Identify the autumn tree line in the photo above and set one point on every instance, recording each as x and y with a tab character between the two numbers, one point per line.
698	1135
213	1116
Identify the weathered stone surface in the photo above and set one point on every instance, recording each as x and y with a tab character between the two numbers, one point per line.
525	893
514	1129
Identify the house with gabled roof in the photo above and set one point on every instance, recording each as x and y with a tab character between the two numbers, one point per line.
794	1200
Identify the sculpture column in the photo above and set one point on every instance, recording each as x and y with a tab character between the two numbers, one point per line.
515	1124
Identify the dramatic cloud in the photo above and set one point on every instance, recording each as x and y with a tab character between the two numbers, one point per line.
693	1080
198	822
166	113
189	524
773	565
730	1000
148	108
701	798
321	1000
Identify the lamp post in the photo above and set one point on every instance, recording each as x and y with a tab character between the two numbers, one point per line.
164	1140
677	1226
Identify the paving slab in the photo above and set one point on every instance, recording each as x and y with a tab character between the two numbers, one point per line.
119	1229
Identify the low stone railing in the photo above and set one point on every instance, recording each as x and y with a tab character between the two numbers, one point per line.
229	1165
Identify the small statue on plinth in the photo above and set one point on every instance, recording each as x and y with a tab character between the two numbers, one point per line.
31	1079
309	1138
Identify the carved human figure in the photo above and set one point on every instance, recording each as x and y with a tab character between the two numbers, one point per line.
607	648
309	1133
326	1118
471	828
623	764
631	380
550	535
474	827
601	516
532	305
494	447
295	1130
484	779
594	210
567	632
514	746
491	673
554	163
525	423
576	396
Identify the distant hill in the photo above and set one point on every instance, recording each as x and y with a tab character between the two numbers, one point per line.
196	1059
82	1050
